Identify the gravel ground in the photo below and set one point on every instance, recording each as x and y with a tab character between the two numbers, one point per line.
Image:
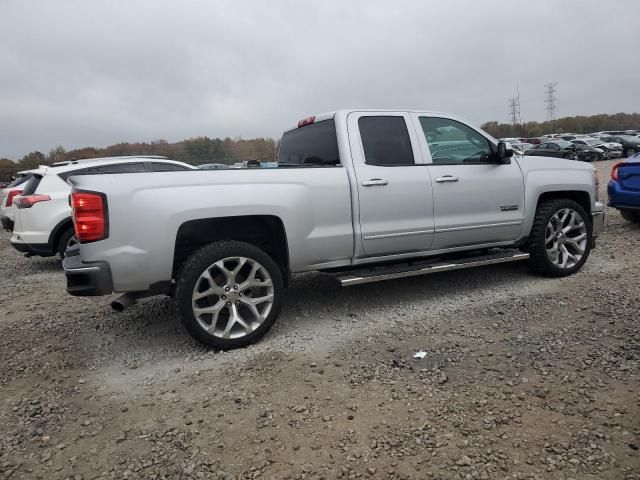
523	378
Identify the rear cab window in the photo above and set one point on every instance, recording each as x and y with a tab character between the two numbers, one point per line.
313	145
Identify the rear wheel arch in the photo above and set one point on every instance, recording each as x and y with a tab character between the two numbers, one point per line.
58	231
266	232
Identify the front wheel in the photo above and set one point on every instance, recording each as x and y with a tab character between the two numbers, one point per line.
630	152
571	156
229	294
560	239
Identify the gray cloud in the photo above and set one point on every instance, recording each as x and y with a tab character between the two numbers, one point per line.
80	73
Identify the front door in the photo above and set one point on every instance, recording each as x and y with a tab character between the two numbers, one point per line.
476	200
394	187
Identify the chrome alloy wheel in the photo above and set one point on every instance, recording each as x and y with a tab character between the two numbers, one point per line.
232	297
565	238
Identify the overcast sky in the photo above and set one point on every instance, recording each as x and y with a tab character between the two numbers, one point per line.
83	73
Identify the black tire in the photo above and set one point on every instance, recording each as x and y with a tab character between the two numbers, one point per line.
630	216
63	241
539	260
204	258
629	152
571	156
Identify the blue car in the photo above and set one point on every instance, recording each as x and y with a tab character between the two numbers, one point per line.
624	188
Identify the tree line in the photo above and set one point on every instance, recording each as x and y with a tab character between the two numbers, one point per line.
578	124
194	151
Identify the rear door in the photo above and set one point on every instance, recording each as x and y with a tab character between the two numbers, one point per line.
476	200
394	187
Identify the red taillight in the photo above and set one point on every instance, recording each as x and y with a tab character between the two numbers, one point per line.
614	170
89	216
12	194
30	200
306	121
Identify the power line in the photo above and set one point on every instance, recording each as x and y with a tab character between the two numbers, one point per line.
550	99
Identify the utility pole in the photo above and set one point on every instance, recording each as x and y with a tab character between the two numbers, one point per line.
550	100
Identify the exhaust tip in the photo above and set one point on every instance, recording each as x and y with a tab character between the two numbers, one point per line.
124	301
116	306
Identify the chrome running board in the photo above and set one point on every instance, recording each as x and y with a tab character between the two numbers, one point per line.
377	273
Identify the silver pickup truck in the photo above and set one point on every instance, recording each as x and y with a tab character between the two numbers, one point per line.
361	195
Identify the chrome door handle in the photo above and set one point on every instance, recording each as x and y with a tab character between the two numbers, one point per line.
447	178
374	181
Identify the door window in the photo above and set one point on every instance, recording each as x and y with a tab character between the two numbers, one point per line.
386	141
452	142
165	167
119	168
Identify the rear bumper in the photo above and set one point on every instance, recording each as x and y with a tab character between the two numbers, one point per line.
7	223
86	279
39	249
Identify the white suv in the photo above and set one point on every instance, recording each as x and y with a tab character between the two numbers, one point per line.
43	224
7	207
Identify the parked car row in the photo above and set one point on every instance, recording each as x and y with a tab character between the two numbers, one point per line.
587	148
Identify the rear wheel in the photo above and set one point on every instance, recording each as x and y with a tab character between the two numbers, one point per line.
68	239
630	216
630	152
229	294
560	239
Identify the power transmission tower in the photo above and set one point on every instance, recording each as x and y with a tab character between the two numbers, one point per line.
550	100
514	110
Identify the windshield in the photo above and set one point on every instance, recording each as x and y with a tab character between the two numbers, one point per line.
564	144
593	142
629	138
